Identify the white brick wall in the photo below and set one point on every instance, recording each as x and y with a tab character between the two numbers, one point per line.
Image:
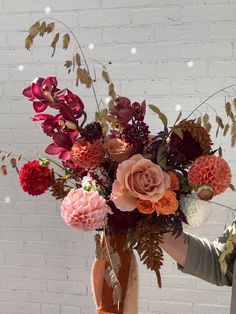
44	265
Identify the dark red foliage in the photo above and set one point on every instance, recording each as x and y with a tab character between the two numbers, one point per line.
122	220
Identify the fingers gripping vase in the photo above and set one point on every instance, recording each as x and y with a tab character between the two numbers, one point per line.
127	279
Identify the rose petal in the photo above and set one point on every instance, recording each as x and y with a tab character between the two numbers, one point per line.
122	200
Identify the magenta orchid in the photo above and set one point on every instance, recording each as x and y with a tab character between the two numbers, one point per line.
62	143
123	111
66	97
139	111
41	92
50	122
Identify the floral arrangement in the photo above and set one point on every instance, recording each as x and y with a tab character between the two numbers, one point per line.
114	175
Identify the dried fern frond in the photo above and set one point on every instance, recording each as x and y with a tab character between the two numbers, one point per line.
3	170
54	43
13	161
66	41
59	189
149	238
98	251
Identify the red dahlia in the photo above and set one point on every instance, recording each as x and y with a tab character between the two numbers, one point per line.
34	178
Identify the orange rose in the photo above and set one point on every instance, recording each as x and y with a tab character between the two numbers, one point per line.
118	149
168	204
145	207
174	181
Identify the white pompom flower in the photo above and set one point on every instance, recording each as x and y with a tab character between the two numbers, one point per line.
197	211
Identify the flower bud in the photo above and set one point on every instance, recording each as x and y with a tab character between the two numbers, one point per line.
205	192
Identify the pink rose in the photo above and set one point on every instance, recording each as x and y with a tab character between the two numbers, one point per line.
138	178
117	149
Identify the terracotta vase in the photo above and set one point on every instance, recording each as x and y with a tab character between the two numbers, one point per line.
127	277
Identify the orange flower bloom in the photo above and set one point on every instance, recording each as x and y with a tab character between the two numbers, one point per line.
211	170
174	181
168	204
145	207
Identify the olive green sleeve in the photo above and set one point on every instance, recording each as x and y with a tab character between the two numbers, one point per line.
202	261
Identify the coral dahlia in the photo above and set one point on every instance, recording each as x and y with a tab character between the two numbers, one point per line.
86	154
211	170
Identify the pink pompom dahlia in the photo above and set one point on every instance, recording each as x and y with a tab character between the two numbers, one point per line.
211	170
84	210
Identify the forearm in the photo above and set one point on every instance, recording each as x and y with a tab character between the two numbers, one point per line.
196	256
177	248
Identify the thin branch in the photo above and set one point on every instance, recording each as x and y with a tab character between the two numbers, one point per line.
216	203
212	95
82	52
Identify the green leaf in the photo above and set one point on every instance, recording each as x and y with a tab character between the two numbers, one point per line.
205	119
104	113
178	118
178	132
161	157
220	152
161	115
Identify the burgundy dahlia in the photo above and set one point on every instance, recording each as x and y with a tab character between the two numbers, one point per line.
122	220
34	178
196	142
185	149
92	131
136	134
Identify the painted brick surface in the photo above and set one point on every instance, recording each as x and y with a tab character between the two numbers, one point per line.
45	265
